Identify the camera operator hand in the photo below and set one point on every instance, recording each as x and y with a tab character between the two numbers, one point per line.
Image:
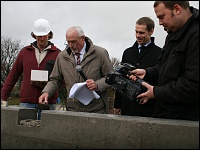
146	96
137	72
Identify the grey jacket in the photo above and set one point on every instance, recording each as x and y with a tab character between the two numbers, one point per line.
96	65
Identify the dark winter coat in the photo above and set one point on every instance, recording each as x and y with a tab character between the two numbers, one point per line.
177	92
147	58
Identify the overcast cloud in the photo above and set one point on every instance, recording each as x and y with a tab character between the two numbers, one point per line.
108	24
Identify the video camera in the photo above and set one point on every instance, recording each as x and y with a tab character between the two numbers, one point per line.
121	83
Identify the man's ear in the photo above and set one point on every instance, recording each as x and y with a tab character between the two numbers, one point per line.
151	32
176	9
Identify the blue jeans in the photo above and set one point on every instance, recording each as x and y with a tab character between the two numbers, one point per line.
29	105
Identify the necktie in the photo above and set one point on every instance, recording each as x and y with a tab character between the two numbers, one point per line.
78	61
141	49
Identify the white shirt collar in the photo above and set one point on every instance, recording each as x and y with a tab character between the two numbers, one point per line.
139	46
82	52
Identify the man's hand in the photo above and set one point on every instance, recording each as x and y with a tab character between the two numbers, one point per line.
117	111
144	97
91	85
43	99
137	73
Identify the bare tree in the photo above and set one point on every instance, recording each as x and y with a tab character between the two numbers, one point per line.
115	61
9	51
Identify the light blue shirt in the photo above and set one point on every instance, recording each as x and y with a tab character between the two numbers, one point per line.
139	46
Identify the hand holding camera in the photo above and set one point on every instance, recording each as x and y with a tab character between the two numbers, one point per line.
120	81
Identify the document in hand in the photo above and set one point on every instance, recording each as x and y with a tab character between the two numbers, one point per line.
81	92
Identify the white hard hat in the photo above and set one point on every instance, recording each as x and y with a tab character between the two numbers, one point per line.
41	27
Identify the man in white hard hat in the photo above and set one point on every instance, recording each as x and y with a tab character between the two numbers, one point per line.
36	56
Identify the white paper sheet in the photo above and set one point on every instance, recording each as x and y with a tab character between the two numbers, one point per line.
81	92
39	75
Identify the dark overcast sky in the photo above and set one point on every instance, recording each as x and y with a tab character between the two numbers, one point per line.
109	24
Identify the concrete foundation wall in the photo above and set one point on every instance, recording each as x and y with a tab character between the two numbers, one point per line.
74	130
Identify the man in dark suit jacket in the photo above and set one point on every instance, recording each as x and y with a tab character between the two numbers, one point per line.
144	53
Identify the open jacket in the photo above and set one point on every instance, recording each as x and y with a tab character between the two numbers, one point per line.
25	62
95	64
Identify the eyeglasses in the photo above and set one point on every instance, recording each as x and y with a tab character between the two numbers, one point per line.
72	43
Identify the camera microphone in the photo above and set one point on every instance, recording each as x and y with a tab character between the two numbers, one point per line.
79	69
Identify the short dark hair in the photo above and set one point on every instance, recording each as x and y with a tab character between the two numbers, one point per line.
170	4
146	21
50	35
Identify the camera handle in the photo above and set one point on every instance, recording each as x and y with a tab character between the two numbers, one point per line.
139	80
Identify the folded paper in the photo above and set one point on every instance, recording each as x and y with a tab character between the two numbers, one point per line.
82	93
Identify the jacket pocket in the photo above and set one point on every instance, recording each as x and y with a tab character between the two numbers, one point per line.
175	65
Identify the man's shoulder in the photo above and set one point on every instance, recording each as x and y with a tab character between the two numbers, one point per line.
55	48
27	47
130	48
154	46
99	49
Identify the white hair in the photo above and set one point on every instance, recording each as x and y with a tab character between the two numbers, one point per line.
78	29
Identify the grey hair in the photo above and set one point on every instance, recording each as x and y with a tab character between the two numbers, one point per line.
78	29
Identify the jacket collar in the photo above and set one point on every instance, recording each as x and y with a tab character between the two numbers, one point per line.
88	42
152	42
194	17
33	45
